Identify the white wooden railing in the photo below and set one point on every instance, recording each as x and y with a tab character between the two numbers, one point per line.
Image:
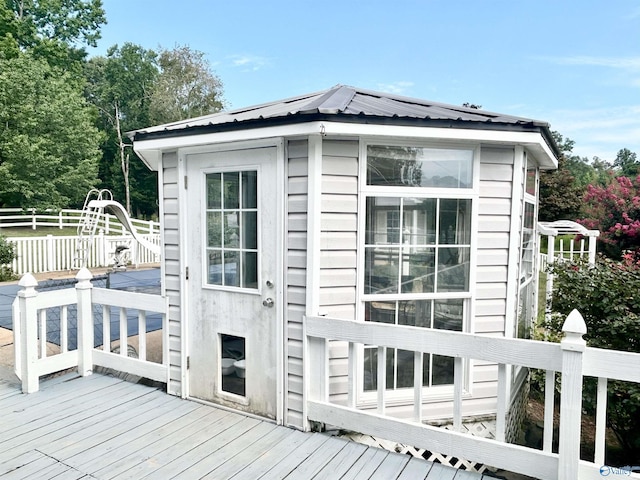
571	358
17	217
53	253
32	359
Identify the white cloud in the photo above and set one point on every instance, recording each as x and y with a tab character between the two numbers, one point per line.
396	87
249	63
601	131
626	63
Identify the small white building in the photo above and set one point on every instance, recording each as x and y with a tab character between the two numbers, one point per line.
351	204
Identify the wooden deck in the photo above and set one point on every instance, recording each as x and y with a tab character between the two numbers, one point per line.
105	428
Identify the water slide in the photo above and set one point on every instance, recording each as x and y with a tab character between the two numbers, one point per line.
123	217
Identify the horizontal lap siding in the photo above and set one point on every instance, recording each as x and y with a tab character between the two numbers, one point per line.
494	224
338	249
296	277
171	261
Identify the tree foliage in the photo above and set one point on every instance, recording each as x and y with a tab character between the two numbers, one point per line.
53	30
627	163
120	85
606	297
133	88
185	87
48	140
560	196
615	211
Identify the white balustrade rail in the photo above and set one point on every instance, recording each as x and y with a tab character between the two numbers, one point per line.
53	253
571	358
16	217
30	324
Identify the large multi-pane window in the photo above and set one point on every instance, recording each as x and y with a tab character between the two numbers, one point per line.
417	250
232	229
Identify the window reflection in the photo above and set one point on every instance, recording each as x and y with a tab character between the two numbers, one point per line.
232	229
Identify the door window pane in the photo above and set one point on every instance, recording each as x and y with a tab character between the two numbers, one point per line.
232	229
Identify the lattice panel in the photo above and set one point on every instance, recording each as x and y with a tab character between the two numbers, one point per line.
435	457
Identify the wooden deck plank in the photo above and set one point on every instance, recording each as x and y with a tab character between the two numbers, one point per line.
27	470
58	395
150	465
78	428
227	460
297	456
41	413
55	429
467	475
207	450
92	406
441	472
342	462
366	464
314	463
391	467
249	454
175	411
18	461
104	429
264	462
156	444
415	469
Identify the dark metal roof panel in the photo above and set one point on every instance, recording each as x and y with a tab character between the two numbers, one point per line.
340	101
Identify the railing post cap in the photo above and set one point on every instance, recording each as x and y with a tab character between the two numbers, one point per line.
574	328
574	323
84	277
28	281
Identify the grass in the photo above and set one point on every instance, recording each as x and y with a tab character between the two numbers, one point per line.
40	232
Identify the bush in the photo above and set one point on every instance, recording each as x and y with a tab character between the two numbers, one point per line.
615	211
606	296
7	254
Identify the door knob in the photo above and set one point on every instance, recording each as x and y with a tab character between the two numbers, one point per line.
268	302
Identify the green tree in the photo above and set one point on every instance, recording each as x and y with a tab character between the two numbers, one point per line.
560	195
626	163
185	88
120	85
53	30
48	141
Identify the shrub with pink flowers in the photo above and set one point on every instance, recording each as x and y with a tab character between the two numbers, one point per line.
615	211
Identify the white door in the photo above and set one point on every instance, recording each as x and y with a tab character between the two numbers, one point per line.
232	288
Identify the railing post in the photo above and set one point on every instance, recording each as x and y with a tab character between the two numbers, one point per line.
573	347
27	334
85	322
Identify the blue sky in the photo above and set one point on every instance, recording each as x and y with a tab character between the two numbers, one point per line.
574	64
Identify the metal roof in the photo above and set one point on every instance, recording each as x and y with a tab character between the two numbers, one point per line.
348	104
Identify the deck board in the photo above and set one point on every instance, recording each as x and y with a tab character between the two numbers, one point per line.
104	428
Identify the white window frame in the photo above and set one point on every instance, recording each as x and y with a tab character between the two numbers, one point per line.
529	199
204	241
403	396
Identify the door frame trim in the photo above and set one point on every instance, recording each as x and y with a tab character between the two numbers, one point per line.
278	144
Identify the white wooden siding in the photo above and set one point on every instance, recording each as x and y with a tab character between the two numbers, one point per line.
494	222
171	259
338	249
295	277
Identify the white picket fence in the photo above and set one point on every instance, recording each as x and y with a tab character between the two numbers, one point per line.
32	358
18	218
56	253
571	358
